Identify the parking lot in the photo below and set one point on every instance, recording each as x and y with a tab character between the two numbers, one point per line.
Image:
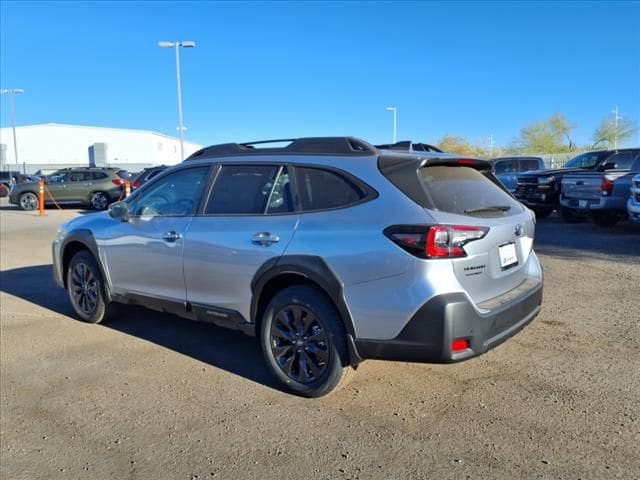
153	396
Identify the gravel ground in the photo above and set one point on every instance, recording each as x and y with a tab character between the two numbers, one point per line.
151	396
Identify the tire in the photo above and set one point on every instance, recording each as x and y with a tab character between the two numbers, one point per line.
568	216
84	280
99	201
604	220
304	342
28	201
543	212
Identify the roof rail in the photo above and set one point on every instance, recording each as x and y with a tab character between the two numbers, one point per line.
409	146
310	145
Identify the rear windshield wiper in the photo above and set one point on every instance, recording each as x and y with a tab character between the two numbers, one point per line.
492	208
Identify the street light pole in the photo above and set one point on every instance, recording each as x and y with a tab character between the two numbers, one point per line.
395	122
616	117
11	92
176	46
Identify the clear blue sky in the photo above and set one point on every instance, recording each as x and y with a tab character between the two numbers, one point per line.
273	70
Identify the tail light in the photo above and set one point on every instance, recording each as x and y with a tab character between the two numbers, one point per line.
606	187
117	181
136	184
438	241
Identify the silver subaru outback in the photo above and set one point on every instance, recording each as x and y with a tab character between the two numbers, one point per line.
330	250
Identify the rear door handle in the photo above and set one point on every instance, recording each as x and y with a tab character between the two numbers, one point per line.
265	239
171	236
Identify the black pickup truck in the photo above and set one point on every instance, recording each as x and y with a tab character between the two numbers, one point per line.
540	189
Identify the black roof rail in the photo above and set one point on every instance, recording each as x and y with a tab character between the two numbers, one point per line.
350	146
409	146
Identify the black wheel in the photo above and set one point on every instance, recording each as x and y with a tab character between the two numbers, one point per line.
543	212
29	201
604	219
569	216
86	288
99	201
304	341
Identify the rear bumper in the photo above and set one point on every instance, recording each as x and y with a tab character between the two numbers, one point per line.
601	205
428	335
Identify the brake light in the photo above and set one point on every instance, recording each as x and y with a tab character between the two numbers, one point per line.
606	187
117	181
466	162
136	184
439	241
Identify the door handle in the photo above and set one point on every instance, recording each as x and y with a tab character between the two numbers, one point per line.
265	239
171	236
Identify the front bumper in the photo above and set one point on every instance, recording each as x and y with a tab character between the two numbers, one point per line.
427	337
633	209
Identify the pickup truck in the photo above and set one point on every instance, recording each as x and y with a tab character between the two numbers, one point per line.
540	189
633	204
507	169
602	195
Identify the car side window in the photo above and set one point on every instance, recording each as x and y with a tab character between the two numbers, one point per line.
321	189
242	190
281	198
527	165
176	195
622	160
504	167
57	178
78	177
97	175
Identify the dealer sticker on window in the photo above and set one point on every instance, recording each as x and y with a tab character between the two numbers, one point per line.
508	256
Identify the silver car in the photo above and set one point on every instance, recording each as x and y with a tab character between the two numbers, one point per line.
331	250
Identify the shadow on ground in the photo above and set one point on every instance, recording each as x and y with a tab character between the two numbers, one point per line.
225	349
575	240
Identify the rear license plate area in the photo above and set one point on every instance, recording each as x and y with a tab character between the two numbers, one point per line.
508	256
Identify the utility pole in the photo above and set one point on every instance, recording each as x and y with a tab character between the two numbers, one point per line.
12	92
616	118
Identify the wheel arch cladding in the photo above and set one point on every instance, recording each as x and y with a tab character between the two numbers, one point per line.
278	273
81	240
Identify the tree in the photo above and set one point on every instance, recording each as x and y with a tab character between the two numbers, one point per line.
461	146
552	135
613	131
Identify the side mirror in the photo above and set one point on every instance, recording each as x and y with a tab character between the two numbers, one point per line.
607	166
119	211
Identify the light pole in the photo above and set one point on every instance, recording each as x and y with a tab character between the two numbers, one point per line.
617	118
395	122
11	92
176	46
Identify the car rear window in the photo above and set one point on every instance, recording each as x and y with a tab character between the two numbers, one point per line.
466	191
529	164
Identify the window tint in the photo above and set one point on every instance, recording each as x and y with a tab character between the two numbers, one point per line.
58	177
177	194
527	164
242	189
460	189
78	177
97	175
281	200
623	160
587	160
505	166
153	174
323	189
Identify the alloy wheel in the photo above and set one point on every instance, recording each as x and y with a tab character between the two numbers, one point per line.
84	288
299	344
99	201
28	201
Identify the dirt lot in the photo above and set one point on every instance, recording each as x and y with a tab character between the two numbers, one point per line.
152	396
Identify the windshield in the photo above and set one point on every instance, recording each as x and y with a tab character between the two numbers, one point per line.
587	160
464	190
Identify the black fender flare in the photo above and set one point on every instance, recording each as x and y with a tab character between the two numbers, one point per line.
86	238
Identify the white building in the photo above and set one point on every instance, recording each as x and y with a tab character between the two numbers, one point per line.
53	145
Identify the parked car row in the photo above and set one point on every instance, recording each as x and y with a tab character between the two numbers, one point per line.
595	185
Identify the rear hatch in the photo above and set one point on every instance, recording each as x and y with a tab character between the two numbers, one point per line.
496	263
469	195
